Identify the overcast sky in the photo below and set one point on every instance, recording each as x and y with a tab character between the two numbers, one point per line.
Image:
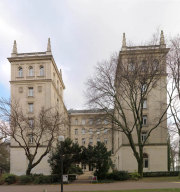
82	32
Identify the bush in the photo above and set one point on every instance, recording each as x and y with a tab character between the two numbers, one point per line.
75	170
135	175
23	179
71	177
118	175
8	178
42	179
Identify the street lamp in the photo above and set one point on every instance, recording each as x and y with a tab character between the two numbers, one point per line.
61	139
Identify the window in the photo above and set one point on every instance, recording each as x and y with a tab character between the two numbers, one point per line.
83	122
98	131
155	64
83	131
76	121
31	123
30	138
31	71
76	131
98	122
90	141
20	72
105	121
90	121
145	104
145	160
105	131
143	136
144	120
143	65
90	131
76	140
144	88
30	107
41	71
31	92
98	140
131	66
105	141
83	141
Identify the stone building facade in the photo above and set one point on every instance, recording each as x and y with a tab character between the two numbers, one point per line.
36	82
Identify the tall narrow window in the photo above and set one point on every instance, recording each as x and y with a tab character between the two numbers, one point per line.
83	141
31	71
105	131
144	120
31	107
90	131
83	131
76	140
145	160
98	140
76	121
105	141
143	136
90	121
41	71
144	65
76	131
83	122
30	92
155	64
144	88
30	138
20	72
131	66
31	123
98	131
145	104
90	141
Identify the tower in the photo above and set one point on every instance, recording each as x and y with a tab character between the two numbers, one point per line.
138	66
36	83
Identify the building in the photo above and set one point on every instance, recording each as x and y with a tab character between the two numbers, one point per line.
36	82
154	105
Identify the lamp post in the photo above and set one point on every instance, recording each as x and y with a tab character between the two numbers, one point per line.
61	139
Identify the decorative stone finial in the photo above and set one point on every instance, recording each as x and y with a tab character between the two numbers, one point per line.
123	42
162	42
48	47
14	50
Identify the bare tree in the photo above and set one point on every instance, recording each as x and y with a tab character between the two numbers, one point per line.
174	76
31	134
123	84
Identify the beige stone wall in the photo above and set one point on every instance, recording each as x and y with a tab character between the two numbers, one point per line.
19	162
92	127
157	157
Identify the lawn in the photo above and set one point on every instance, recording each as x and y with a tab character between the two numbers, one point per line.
160	179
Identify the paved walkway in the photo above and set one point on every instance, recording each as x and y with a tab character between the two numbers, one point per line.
91	187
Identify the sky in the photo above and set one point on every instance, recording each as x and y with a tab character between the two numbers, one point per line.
82	32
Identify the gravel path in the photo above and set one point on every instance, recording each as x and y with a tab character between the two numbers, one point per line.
90	187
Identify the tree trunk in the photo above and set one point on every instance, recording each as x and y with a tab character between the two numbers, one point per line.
140	167
29	168
140	161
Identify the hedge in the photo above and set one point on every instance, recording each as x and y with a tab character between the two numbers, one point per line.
161	174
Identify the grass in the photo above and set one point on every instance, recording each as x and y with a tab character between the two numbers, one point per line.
142	190
161	179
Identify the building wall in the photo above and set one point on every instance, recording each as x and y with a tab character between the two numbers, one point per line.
92	127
